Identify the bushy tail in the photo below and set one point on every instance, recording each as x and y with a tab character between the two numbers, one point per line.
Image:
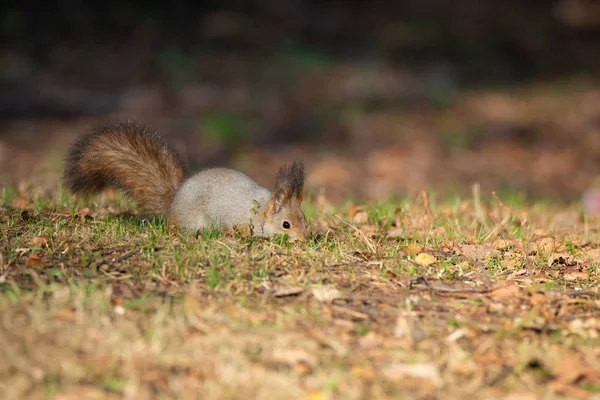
128	155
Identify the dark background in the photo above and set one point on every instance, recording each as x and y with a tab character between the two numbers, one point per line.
381	98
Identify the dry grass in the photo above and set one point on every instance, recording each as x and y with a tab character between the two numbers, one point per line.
411	299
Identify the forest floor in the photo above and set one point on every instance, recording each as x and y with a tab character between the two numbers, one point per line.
471	297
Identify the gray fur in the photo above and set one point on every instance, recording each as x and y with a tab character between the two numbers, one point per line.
221	197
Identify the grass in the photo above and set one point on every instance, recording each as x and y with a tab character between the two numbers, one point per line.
415	298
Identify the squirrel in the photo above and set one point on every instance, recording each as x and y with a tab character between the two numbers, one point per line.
136	159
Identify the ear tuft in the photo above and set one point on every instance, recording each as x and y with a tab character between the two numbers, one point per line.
277	201
290	180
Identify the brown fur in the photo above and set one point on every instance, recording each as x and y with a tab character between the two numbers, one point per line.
128	155
288	185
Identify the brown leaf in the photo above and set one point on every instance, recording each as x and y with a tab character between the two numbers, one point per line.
324	293
39	241
503	244
83	213
65	314
425	371
576	276
478	252
412	249
508	289
34	261
563	259
360	218
544	246
397	232
370	341
21	203
293	356
425	259
593	254
365	372
571	369
282	290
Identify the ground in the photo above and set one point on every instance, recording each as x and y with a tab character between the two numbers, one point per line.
421	297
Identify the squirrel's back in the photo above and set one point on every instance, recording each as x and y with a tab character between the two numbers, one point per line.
131	156
219	196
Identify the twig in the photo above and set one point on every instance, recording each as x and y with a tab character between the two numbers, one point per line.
361	233
355	314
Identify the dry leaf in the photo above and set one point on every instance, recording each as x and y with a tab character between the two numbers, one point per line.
21	203
65	314
544	246
593	255
576	276
563	259
292	356
83	213
316	396
396	232
570	369
425	259
34	261
503	244
325	293
360	218
282	290
508	289
39	241
412	249
478	252
363	371
370	341
421	371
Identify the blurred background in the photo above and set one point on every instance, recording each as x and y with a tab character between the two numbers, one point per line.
380	98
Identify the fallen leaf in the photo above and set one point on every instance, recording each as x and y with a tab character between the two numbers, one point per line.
282	290
478	252
361	217
412	249
563	259
508	289
324	293
539	298
571	369
576	276
34	261
396	232
370	341
425	259
316	396
83	213
292	356
21	203
65	314
39	241
569	390
544	245
421	371
503	244
81	392
363	371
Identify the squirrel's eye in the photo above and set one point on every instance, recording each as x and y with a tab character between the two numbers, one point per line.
286	225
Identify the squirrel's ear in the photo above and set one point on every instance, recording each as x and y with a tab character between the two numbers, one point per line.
278	199
290	180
